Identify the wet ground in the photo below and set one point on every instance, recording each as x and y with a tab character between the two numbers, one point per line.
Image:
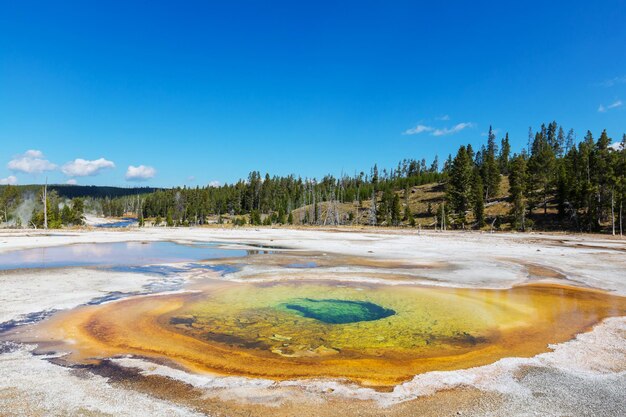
114	255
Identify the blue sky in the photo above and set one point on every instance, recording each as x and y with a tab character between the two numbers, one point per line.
199	92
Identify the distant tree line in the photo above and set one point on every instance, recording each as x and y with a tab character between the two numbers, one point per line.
267	200
555	180
568	184
86	191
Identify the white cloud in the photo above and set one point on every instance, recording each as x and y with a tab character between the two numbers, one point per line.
418	129
444	118
32	153
450	131
616	146
31	162
214	183
191	178
84	168
614	105
10	180
617	103
71	181
614	81
139	173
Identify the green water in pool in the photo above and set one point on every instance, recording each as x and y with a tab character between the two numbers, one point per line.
335	311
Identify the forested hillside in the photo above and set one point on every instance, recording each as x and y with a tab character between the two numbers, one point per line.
554	183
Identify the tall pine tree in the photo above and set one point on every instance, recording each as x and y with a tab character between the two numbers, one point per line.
518	182
459	185
490	170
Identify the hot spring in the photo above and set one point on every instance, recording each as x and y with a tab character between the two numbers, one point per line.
374	335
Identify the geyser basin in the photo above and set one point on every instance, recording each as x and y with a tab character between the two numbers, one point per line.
289	330
338	311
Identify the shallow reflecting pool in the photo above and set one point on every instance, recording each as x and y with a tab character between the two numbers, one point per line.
124	222
376	335
113	254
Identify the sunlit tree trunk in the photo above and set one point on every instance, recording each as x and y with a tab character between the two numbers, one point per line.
613	210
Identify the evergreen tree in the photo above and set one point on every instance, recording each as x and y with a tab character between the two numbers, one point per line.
77	211
540	170
478	201
552	137
562	188
396	210
505	151
10	199
459	184
375	174
434	167
569	141
518	181
602	178
255	218
408	215
560	143
490	169
585	186
66	215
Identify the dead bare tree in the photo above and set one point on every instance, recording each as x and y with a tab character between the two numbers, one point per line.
373	209
45	204
613	210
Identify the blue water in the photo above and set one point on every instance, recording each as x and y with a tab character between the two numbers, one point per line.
115	255
125	222
304	265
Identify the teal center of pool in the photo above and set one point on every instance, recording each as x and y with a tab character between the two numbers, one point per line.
338	311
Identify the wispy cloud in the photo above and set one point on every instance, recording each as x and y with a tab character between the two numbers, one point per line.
71	181
614	81
614	105
454	129
214	183
31	162
10	180
433	130
418	129
84	168
140	173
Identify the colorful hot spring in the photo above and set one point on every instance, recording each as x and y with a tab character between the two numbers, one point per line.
377	336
